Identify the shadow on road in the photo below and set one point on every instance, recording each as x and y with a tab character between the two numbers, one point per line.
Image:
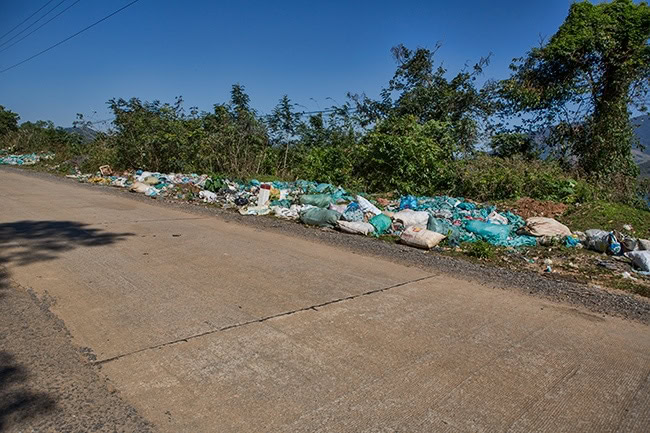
15	400
23	243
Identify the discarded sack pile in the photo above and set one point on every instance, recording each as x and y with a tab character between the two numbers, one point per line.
421	222
418	221
26	159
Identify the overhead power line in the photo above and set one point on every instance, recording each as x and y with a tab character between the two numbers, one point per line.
26	19
69	37
27	28
37	28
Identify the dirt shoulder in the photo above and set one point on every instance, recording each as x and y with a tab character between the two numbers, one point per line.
46	384
547	286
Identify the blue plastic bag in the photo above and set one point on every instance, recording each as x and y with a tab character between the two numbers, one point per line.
493	233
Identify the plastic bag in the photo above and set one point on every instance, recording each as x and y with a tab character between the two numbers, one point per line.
496	218
357	228
644	244
320	217
408	202
286	213
318	200
493	233
410	217
366	206
208	196
381	223
340	208
597	240
641	259
421	238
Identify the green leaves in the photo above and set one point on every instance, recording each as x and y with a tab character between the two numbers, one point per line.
580	84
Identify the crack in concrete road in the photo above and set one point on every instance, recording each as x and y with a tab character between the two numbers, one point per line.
314	307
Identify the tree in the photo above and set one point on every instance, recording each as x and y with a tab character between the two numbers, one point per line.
419	88
506	145
584	80
8	121
283	123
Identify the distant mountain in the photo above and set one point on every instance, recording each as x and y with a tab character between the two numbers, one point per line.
642	130
642	153
87	134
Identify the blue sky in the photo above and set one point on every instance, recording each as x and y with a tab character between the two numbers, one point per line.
158	49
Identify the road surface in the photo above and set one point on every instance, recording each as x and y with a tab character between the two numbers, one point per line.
205	325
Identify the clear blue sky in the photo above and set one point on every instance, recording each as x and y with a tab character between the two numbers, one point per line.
158	49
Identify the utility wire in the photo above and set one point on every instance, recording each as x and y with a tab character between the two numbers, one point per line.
26	28
26	19
69	37
6	48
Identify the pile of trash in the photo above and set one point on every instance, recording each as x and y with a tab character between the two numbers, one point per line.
617	244
417	221
26	159
421	222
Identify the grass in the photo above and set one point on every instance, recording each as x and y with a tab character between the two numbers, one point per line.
607	216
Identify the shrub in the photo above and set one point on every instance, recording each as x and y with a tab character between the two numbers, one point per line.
401	154
493	178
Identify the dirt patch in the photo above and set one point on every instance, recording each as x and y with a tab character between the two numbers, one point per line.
528	207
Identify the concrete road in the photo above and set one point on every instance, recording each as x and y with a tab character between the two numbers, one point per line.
209	326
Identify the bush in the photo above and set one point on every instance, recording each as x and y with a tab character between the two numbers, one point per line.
42	136
401	154
492	178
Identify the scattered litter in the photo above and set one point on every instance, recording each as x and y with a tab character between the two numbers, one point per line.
26	159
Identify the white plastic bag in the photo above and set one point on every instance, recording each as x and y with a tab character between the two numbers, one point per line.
496	218
641	259
208	196
366	206
410	218
292	213
356	228
421	238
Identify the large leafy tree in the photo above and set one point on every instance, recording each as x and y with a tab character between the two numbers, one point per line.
421	89
584	81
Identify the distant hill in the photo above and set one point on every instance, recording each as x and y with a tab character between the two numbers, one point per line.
87	134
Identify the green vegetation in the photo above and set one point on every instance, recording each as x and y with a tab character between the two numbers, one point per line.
583	81
480	250
569	97
608	216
